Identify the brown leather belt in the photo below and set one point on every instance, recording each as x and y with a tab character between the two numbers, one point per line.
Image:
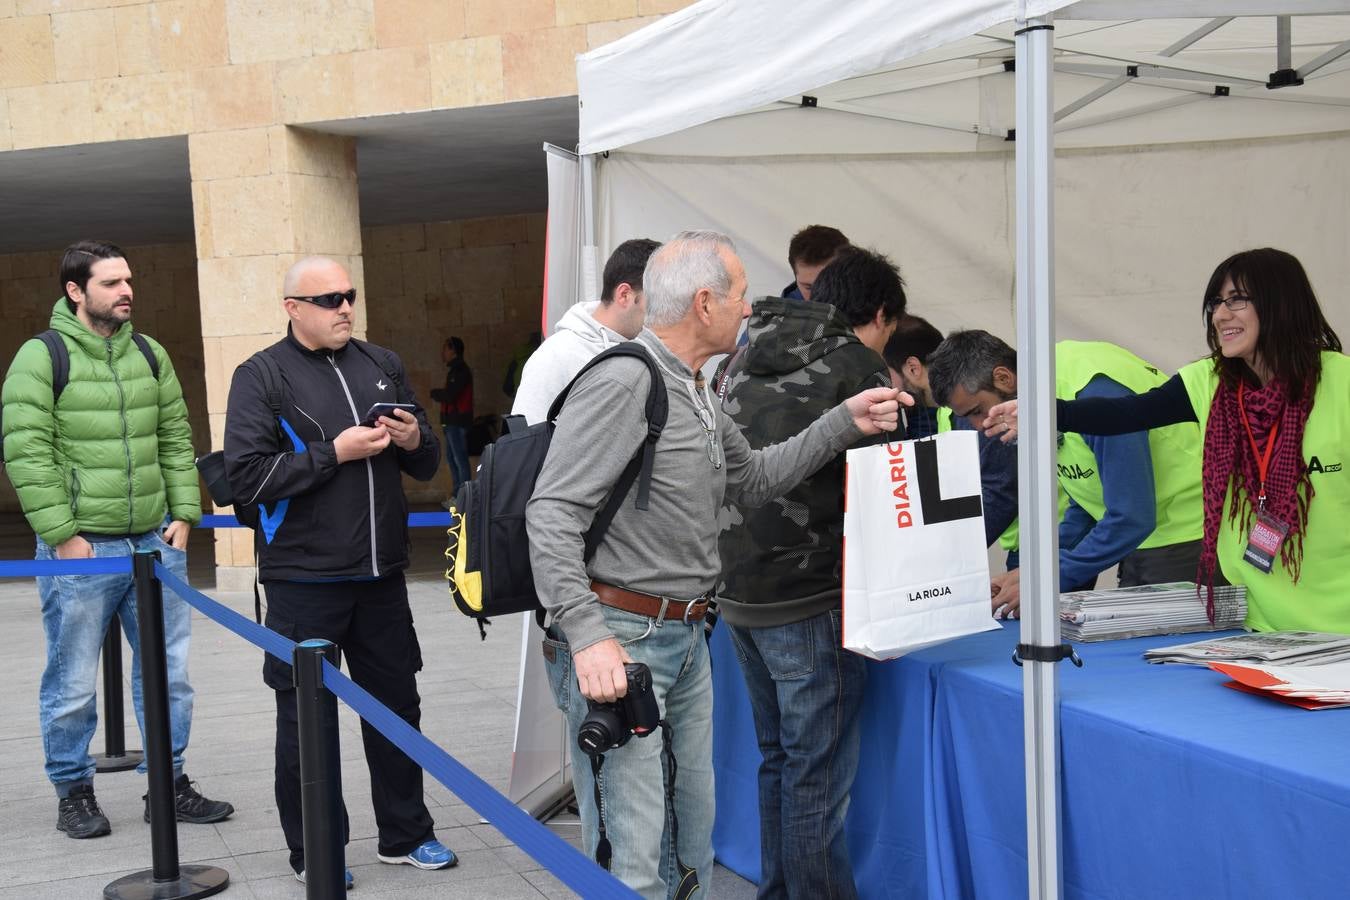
650	605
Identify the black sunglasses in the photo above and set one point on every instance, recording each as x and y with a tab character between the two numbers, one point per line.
330	301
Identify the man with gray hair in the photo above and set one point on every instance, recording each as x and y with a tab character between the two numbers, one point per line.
643	594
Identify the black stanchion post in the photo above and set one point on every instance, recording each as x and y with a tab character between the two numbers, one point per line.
115	756
166	880
320	772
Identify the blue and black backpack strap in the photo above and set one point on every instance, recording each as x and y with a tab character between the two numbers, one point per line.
269	373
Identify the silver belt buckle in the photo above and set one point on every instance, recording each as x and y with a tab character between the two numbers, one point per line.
687	607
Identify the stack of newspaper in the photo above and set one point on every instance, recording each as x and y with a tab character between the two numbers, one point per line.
1308	669
1174	608
1282	648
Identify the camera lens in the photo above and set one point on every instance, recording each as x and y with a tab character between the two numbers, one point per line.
601	730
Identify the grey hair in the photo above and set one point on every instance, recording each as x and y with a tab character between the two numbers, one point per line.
968	359
679	269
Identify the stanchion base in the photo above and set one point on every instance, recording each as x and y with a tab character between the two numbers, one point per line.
193	881
129	760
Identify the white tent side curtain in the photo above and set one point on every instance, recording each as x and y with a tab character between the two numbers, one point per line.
720	58
563	237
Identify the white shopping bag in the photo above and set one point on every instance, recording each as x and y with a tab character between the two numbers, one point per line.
916	572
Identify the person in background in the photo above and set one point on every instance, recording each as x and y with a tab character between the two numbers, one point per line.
1134	499
515	367
456	400
1273	401
911	344
586	329
810	251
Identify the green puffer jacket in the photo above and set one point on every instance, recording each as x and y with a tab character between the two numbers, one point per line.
116	455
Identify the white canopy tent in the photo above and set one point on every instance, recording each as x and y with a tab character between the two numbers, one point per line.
1163	174
1164	135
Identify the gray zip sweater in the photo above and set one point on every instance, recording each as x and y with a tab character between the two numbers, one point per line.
669	549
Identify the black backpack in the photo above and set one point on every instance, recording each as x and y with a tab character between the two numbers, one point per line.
60	354
489	570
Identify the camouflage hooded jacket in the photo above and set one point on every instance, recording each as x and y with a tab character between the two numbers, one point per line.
783	562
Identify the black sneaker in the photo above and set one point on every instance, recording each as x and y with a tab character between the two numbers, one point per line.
192	807
78	814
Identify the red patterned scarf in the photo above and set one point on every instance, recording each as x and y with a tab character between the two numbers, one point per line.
1228	455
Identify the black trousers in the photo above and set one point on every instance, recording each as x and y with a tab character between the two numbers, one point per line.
372	625
1160	565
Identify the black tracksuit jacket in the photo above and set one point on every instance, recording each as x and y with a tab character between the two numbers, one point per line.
323	521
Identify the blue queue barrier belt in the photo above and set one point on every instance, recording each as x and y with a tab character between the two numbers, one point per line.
34	568
415	520
560	858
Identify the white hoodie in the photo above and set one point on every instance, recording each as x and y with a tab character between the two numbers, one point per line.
575	340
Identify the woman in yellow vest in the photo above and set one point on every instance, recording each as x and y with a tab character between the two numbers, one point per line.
1273	401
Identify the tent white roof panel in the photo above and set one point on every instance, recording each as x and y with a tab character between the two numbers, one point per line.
937	71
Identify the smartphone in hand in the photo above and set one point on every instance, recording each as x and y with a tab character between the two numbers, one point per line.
385	409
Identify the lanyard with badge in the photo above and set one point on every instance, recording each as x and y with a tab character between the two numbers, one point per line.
1268	533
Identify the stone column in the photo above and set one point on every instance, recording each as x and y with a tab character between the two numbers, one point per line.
261	199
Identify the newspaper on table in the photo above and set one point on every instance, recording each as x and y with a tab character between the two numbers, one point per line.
1177	607
1324	685
1282	648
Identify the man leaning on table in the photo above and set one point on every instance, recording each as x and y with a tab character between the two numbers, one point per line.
1134	499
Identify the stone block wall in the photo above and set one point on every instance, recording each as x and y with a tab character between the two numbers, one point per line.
76	71
166	307
479	279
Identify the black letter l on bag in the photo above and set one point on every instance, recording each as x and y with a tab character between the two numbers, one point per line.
935	508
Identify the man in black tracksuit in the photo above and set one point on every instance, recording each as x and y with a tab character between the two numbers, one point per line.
332	535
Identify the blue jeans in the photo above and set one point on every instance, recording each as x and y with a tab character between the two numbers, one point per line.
76	612
805	693
457	453
631	783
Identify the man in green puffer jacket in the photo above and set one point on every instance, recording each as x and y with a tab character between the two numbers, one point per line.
102	470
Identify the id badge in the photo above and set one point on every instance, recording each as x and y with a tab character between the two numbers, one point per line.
1263	545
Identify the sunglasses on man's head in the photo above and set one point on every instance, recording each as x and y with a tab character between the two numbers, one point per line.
330	301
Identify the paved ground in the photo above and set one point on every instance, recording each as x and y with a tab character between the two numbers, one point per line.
468	689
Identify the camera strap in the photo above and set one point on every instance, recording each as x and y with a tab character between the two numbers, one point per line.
603	851
688	883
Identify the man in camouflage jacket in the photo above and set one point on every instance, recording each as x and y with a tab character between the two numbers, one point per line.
781	589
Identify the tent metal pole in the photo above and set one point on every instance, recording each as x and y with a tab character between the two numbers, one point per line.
1284	38
590	252
1208	28
1330	56
1036	471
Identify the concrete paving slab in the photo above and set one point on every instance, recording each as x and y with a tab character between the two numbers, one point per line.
468	690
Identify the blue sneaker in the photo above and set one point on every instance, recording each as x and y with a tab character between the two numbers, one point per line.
300	877
431	855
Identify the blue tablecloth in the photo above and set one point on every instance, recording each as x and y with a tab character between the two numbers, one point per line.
1172	785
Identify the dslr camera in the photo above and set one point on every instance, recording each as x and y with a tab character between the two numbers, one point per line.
608	726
